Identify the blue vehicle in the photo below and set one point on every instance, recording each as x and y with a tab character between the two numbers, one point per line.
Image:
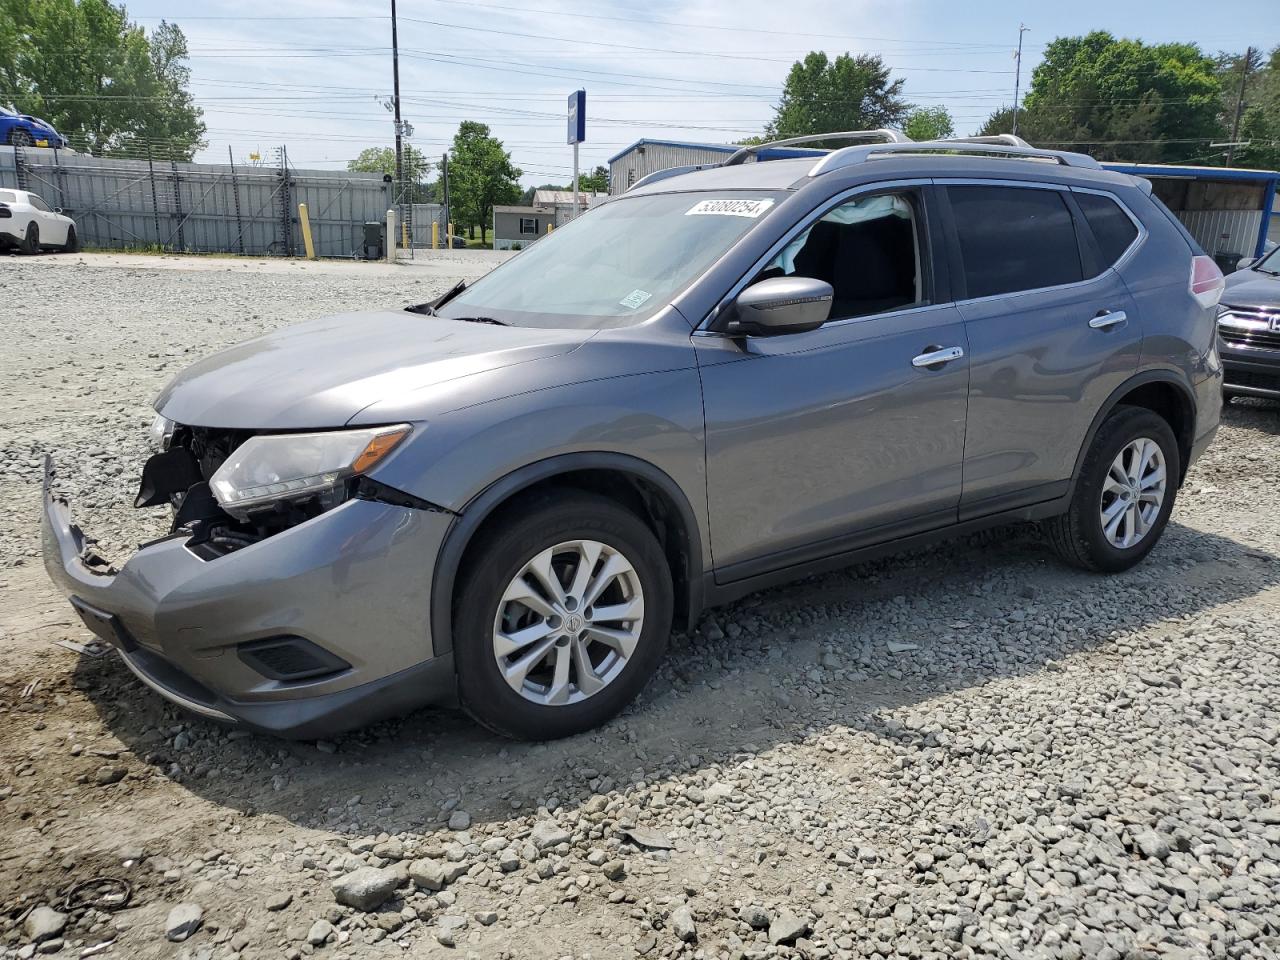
21	130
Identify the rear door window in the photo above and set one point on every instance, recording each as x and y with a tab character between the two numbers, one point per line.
1111	226
1014	238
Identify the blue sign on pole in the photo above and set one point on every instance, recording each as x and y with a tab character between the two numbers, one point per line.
577	117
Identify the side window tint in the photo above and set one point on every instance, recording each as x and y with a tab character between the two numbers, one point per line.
868	250
1014	238
39	204
1111	226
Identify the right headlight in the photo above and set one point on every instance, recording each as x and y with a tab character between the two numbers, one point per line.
289	466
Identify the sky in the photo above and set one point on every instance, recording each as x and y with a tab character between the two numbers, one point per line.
313	75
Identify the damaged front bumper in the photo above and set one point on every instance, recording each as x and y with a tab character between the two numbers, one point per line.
320	628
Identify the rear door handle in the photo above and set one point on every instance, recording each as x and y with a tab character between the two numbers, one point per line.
937	357
1108	318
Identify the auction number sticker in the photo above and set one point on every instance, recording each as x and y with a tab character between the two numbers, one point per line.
635	298
729	208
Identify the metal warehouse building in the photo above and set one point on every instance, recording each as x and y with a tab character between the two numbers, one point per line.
1231	212
649	156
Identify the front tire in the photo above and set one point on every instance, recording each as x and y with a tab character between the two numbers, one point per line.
1124	495
563	615
73	241
20	138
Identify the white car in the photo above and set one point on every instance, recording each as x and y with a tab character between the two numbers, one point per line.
28	223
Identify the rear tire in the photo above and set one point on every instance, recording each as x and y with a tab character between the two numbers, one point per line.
73	241
496	637
31	242
20	138
1114	519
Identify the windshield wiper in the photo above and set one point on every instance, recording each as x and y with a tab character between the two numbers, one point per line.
496	323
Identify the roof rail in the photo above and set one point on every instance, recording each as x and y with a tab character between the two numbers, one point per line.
670	172
885	133
859	154
1007	139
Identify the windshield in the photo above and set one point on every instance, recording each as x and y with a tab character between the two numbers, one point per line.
1269	263
617	264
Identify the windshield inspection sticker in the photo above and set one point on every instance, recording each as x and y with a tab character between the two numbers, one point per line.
729	208
635	298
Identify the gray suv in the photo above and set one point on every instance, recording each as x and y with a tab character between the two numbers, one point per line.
723	379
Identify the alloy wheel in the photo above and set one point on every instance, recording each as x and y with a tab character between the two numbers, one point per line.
1133	493
568	622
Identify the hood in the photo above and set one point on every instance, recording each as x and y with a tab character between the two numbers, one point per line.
320	374
1252	288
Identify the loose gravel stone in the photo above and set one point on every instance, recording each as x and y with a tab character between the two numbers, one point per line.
43	923
183	921
366	888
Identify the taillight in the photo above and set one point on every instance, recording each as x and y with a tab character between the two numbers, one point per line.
1207	282
5	212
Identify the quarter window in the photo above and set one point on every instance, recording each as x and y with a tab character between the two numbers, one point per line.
1014	238
868	250
1111	226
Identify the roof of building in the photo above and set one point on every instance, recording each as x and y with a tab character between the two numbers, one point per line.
769	153
1189	172
517	208
543	197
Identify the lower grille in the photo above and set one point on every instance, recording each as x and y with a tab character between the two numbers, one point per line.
290	658
1253	379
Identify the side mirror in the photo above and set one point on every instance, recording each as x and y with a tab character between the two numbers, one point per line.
1244	263
57	209
781	305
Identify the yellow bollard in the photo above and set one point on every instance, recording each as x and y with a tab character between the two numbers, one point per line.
435	235
448	235
305	223
550	227
404	234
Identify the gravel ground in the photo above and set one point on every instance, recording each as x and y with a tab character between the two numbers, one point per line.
964	751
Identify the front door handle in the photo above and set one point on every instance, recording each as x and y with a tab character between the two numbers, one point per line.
1108	319
936	357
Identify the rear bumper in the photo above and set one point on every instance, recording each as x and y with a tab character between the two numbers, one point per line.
354	581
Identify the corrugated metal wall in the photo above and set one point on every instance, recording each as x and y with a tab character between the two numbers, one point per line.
652	157
1224	231
206	208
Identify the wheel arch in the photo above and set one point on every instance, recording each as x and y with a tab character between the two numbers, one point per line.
635	484
1164	392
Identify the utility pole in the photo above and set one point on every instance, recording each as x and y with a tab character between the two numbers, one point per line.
1235	124
444	176
395	74
1017	77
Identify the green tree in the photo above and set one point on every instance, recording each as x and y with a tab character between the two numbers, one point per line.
929	123
1260	120
481	174
416	168
1000	121
825	96
106	85
1123	99
597	181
